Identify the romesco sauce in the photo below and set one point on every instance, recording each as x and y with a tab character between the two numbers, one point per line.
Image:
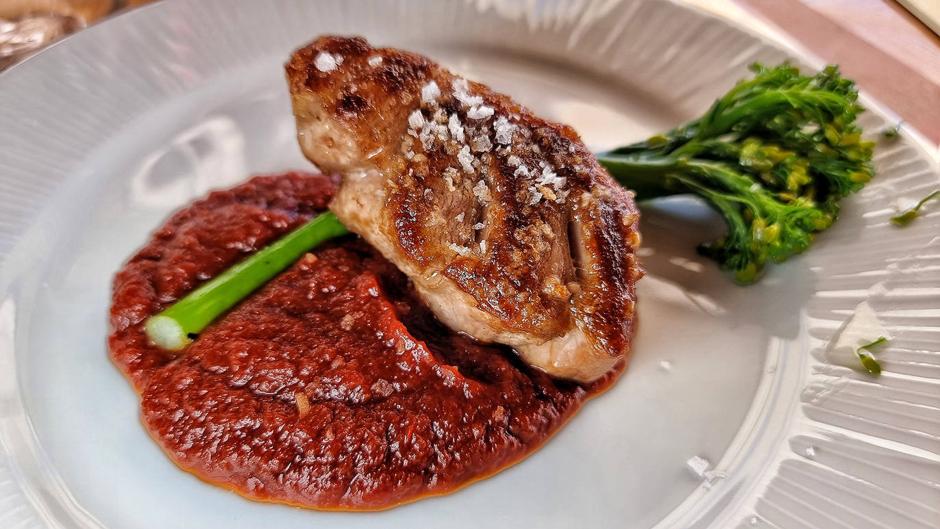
332	387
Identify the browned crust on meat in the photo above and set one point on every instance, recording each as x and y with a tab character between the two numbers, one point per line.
524	274
359	106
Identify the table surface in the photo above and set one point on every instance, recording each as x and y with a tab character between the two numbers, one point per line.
892	55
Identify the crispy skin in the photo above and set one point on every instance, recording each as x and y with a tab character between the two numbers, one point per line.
507	225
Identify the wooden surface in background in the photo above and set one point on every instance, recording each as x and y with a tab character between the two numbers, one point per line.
890	53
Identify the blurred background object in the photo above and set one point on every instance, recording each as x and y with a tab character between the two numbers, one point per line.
891	53
22	35
87	11
928	11
29	25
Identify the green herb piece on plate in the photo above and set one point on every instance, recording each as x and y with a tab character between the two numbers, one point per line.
907	217
868	360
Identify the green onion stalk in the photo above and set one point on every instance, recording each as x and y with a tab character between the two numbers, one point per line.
174	328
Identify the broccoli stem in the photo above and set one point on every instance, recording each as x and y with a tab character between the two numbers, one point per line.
728	192
648	177
651	177
175	327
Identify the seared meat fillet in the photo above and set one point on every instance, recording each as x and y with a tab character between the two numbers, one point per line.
507	225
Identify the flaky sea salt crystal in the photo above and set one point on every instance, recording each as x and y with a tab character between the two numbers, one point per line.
416	120
465	159
534	195
327	62
522	171
455	128
462	93
459	217
481	143
430	92
450	175
513	160
460	250
698	465
431	131
375	60
441	130
480	112
504	130
482	192
549	178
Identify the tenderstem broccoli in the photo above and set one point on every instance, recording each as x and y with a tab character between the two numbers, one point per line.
774	156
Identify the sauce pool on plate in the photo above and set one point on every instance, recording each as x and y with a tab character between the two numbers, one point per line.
332	387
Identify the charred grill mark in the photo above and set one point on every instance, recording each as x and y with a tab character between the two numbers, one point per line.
351	103
612	262
405	217
575	249
399	72
346	46
484	214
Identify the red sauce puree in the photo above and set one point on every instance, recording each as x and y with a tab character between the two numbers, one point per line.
332	387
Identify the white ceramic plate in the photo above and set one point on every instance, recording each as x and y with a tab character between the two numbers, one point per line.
106	133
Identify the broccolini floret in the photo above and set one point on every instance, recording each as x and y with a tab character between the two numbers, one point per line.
774	156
